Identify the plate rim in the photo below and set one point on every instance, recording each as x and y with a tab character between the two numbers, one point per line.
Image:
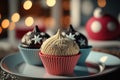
77	77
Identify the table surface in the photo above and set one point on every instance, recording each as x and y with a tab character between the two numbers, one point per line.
110	76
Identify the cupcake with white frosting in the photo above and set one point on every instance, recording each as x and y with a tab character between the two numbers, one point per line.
59	54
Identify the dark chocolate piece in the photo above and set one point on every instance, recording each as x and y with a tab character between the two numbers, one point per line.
34	39
80	39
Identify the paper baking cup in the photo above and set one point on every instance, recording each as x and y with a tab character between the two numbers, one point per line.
31	56
59	65
84	54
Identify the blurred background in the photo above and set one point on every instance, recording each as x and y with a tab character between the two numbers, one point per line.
19	16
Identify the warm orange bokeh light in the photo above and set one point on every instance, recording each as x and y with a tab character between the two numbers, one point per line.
15	17
51	3
12	26
101	3
27	4
0	30
29	21
5	23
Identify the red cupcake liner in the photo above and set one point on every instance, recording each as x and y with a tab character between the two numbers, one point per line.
59	65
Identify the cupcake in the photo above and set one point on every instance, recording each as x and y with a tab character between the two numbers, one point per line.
59	54
30	44
82	42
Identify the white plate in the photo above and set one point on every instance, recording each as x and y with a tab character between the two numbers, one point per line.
14	64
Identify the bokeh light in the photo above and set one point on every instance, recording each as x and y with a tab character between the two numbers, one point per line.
0	30
87	7
5	23
101	3
29	21
15	17
27	4
12	26
51	3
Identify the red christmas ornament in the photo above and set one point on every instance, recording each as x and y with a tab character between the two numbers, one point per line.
21	31
102	26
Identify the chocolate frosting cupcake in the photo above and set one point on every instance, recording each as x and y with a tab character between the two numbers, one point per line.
80	39
34	39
